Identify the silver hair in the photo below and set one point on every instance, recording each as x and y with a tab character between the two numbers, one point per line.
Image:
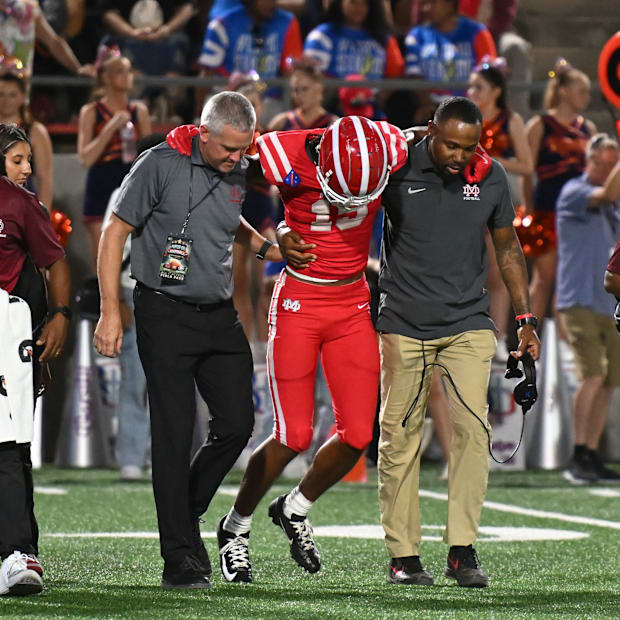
228	108
600	141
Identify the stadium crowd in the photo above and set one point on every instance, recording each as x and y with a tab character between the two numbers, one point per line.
564	178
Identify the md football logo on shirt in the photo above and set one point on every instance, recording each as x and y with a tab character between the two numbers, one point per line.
471	192
289	304
236	193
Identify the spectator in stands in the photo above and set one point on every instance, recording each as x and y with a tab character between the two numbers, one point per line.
254	36
449	46
100	146
587	211
150	33
503	138
29	244
307	89
557	140
13	109
444	50
21	23
354	37
219	7
499	18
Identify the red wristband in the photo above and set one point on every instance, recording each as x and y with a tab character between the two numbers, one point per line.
524	316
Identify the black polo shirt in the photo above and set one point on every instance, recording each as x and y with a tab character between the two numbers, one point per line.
433	259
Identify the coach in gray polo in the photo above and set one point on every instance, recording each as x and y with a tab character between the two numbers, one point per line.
434	317
183	214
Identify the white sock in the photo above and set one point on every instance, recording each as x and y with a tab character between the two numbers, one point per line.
296	503
236	523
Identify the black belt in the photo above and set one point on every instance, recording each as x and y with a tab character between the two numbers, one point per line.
227	303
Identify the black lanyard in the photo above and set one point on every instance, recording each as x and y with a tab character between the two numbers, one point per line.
190	208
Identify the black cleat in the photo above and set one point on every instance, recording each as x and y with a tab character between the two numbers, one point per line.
463	565
188	574
234	555
200	550
581	471
299	532
605	475
408	571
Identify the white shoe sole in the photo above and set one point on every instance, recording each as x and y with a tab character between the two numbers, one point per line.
567	475
28	582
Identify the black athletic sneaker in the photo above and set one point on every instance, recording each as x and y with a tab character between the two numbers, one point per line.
605	474
463	565
299	531
234	555
408	571
187	574
200	549
581	471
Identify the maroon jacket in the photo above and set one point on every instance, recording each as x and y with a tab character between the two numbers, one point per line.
25	228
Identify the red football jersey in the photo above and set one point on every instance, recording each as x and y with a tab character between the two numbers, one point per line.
342	237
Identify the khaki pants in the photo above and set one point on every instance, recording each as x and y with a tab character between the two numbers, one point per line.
467	356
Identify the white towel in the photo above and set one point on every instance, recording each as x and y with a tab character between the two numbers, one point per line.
16	350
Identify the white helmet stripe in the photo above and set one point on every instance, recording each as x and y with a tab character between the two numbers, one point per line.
387	129
336	155
361	137
384	170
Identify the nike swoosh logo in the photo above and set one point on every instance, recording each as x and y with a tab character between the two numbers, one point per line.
410	190
228	575
362	306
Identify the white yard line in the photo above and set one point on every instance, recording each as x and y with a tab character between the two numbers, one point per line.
530	512
605	492
375	531
50	490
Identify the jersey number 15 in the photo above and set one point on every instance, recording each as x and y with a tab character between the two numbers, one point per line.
344	219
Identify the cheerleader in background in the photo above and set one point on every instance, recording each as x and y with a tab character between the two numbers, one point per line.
307	90
557	140
13	109
100	146
503	138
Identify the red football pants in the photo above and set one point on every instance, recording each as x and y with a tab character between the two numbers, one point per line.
308	319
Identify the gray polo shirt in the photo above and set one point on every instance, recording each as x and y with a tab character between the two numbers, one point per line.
154	198
433	259
586	239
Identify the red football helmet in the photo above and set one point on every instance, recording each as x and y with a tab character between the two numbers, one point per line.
353	167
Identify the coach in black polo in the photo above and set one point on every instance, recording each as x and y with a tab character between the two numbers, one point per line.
184	214
434	309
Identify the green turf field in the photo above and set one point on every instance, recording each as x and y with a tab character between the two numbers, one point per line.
118	577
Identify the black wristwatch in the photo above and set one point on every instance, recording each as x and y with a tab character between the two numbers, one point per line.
526	319
64	310
263	250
